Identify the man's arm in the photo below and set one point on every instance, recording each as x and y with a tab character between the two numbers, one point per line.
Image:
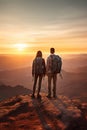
33	69
48	65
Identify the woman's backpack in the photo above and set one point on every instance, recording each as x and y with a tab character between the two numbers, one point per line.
39	66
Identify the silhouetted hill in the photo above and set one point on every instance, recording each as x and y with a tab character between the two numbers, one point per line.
82	69
14	70
24	113
73	84
17	76
8	91
73	62
69	85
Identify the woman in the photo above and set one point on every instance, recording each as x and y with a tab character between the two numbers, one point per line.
38	71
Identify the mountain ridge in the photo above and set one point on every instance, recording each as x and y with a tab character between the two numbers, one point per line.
7	91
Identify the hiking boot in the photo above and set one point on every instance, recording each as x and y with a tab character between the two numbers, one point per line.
32	96
38	96
48	96
55	96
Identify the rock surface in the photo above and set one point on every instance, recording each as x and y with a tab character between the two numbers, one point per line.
24	113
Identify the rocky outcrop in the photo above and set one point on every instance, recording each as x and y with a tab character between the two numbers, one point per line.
24	113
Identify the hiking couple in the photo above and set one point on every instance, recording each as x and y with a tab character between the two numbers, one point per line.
51	69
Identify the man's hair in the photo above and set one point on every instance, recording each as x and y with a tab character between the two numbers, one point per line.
52	50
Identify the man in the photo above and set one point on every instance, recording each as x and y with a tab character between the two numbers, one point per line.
51	69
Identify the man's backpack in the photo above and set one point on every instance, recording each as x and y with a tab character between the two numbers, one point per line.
56	64
39	66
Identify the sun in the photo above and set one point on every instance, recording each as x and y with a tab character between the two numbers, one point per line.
21	46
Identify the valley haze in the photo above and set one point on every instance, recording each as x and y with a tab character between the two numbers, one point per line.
16	70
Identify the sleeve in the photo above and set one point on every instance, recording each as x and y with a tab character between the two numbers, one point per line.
33	68
48	64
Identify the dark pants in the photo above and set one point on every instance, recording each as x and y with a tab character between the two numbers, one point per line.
36	77
50	78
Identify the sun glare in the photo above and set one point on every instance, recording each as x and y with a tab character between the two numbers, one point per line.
21	46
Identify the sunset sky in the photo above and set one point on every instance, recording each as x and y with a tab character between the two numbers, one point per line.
29	25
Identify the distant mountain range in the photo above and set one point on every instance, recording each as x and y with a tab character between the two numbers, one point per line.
13	77
73	84
7	91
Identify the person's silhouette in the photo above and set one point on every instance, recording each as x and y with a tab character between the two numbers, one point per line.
51	75
38	71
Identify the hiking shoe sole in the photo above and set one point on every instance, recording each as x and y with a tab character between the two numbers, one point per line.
48	96
32	96
38	96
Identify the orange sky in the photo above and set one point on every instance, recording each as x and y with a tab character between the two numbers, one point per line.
39	25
